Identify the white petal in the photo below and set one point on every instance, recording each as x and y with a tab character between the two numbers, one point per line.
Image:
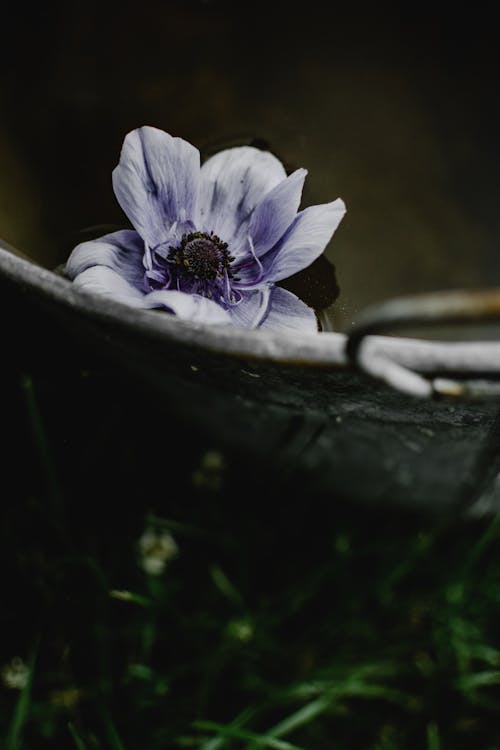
188	306
276	211
121	251
288	313
108	283
156	182
304	241
253	307
232	183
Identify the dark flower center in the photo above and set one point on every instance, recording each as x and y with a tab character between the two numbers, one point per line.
203	256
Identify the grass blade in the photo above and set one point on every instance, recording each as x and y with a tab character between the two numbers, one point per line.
79	743
21	711
260	740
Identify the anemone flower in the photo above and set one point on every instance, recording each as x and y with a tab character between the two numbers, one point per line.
209	243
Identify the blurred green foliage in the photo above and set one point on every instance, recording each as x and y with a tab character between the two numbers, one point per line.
154	607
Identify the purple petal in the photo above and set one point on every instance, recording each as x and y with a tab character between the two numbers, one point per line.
232	183
188	306
304	241
288	313
121	251
253	307
276	211
156	182
106	282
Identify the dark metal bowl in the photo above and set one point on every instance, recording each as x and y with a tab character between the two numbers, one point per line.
299	404
394	115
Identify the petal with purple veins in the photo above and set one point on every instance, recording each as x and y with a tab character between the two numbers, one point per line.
156	182
288	313
121	251
275	212
187	306
232	183
304	241
105	282
252	308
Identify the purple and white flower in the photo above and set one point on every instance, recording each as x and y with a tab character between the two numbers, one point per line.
209	242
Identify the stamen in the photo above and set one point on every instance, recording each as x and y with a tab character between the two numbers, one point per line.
261	268
147	259
202	262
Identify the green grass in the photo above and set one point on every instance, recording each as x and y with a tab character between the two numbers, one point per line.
305	626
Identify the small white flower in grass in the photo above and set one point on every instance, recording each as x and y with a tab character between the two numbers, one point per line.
211	471
66	698
240	629
157	547
15	674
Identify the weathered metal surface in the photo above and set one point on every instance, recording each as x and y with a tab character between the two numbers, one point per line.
296	406
471	364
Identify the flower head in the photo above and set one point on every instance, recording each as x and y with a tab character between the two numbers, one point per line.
15	674
156	548
209	243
